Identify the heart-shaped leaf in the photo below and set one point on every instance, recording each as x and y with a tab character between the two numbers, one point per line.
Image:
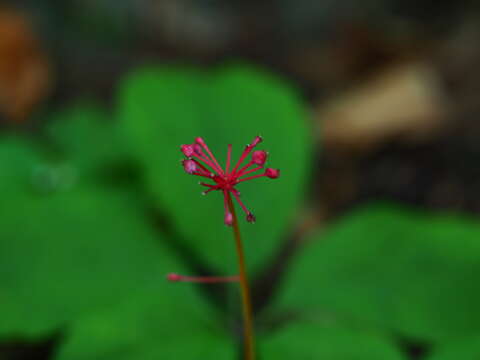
395	269
66	253
162	108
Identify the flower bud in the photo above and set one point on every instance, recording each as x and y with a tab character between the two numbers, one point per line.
259	157
197	149
256	141
189	166
228	219
174	277
187	150
250	217
272	173
200	141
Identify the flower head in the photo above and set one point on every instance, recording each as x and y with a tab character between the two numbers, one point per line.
201	162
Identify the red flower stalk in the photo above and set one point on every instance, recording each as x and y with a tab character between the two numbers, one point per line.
201	162
202	279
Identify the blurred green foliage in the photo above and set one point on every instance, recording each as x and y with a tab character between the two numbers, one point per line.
85	136
395	269
158	322
329	341
465	348
82	256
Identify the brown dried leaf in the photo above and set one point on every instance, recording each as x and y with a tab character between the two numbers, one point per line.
404	102
24	70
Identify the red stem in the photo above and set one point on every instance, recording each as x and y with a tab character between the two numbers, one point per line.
245	290
203	279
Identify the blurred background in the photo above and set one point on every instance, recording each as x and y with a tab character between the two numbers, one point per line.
369	108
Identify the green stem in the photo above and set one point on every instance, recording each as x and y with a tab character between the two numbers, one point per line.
245	290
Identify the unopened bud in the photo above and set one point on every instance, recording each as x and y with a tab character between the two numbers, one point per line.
256	141
200	141
228	219
259	157
272	173
174	277
189	166
251	218
197	149
187	150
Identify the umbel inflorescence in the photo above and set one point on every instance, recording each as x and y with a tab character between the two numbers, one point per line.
201	162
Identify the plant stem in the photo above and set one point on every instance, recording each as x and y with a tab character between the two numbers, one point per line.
245	290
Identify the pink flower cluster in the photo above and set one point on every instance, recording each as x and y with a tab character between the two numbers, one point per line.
201	162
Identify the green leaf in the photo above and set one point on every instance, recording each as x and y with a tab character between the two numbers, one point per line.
18	163
162	108
463	349
314	341
86	136
393	268
67	252
160	322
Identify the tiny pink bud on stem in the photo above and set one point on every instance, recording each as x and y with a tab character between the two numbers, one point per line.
256	141
187	150
200	141
228	219
272	173
190	166
174	277
259	157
